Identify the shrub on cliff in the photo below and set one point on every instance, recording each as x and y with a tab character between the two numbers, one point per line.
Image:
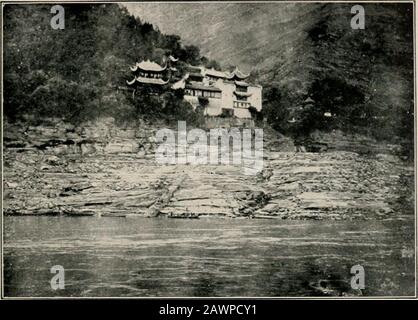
151	103
79	72
58	97
364	77
176	108
277	107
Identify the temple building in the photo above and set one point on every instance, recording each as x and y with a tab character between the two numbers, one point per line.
222	94
227	94
148	72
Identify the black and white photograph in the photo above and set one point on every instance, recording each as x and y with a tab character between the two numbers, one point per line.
218	149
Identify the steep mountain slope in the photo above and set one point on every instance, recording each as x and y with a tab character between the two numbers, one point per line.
363	77
279	39
251	35
76	72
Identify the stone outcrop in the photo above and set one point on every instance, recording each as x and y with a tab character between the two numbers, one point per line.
44	174
99	137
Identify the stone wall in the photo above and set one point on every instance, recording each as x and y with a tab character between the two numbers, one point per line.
217	122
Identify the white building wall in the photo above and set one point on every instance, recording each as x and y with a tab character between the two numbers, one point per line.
214	108
242	113
255	99
227	99
227	93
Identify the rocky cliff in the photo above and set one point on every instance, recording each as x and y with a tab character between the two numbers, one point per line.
100	168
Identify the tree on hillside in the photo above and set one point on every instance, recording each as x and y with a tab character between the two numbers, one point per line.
77	72
276	108
363	77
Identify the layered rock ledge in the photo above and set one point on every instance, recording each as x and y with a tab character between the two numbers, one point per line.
101	169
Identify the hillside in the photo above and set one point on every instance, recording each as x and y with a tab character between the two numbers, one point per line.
252	36
77	72
260	36
363	77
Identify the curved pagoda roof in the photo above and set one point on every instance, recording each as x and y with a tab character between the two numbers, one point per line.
173	59
214	73
181	84
308	100
147	81
237	74
242	83
242	94
196	74
148	66
199	86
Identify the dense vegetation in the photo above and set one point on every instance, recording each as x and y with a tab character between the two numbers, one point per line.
79	72
362	78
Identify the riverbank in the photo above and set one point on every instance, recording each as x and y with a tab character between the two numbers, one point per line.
101	169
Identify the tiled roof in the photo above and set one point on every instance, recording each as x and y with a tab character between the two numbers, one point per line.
237	74
199	86
148	66
147	80
172	58
194	74
181	84
214	73
242	94
241	83
194	67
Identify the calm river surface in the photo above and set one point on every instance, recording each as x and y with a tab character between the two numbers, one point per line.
206	257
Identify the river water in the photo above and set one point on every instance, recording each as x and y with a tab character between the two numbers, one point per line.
206	257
